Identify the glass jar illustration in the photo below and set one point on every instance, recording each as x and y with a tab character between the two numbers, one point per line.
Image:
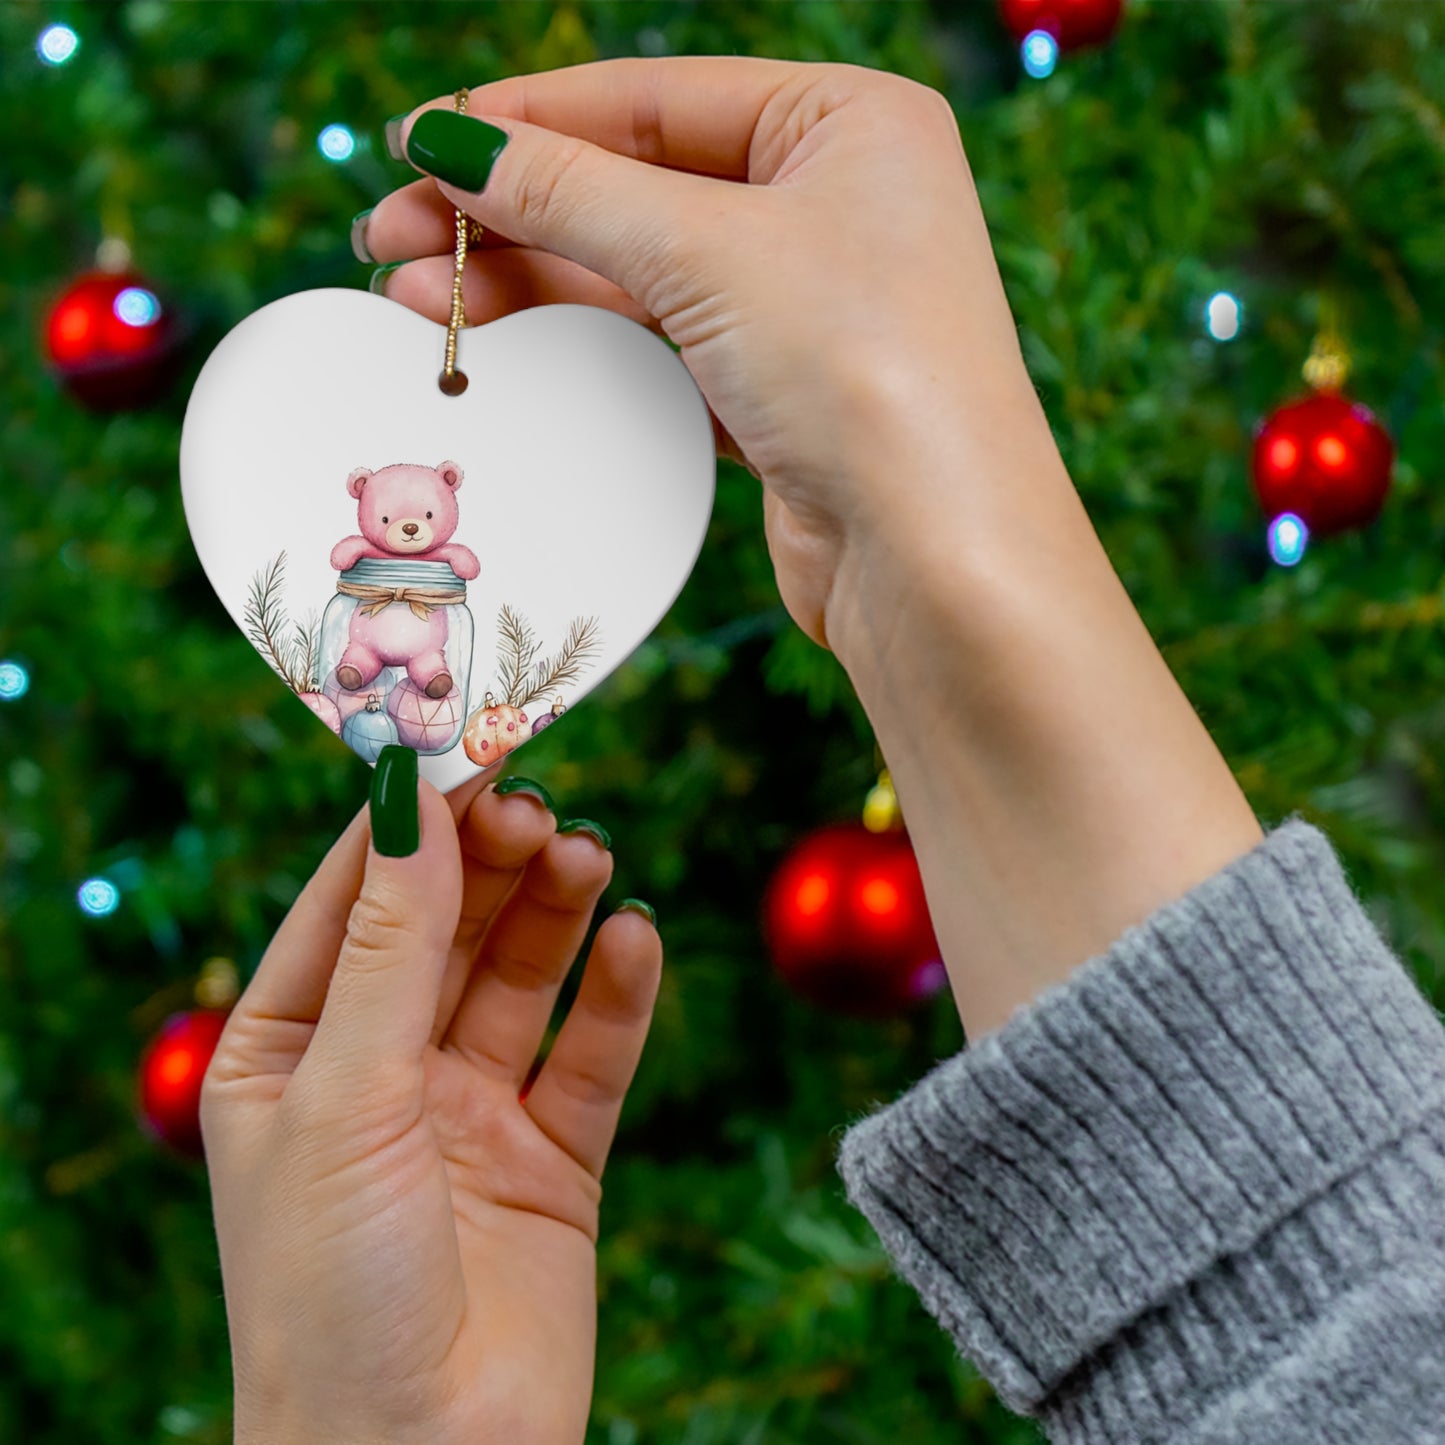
396	648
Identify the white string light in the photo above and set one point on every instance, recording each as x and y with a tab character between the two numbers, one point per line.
336	143
14	681
57	44
1040	54
1288	538
1223	316
98	897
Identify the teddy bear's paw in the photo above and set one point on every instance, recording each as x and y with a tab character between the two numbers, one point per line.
440	685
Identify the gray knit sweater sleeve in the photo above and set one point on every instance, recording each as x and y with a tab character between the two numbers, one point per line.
1197	1191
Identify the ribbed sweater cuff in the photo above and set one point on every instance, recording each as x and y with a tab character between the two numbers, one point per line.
1142	1165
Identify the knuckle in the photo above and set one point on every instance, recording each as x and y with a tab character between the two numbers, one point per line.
211	1102
348	1098
520	970
587	1086
542	187
925	102
648	141
374	934
669	258
302	1105
213	1090
301	1117
223	1088
226	1067
845	77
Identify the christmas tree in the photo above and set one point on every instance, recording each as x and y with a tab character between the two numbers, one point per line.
1179	215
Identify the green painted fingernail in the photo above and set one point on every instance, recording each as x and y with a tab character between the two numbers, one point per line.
529	786
636	905
395	817
586	825
359	248
455	148
377	284
393	136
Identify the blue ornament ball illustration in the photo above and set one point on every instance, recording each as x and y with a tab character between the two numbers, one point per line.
368	731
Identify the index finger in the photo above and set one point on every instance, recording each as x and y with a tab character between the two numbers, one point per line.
696	113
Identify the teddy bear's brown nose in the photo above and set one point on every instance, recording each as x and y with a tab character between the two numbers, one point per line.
410	528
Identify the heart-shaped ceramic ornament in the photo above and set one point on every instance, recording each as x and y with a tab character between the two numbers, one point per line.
447	572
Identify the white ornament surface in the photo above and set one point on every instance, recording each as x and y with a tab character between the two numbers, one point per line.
586	449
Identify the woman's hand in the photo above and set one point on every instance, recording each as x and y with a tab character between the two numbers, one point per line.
845	292
407	1245
408	1249
810	237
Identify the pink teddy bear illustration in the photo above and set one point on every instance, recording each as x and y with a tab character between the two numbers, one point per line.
410	512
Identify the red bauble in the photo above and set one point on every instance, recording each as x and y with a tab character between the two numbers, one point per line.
847	924
171	1071
1073	23
111	341
1324	458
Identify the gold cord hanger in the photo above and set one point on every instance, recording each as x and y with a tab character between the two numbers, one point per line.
452	381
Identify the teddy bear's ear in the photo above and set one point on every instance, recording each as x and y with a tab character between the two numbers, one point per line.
451	474
357	480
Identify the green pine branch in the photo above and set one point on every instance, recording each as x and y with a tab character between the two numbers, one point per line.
307	652
572	658
516	651
268	627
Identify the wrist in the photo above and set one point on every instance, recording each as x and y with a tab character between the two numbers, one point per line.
958	503
276	1429
1057	784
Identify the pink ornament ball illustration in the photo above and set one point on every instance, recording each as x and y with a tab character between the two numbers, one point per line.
428	724
324	708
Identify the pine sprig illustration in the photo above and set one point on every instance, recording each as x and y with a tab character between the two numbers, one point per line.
516	651
571	659
294	652
307	652
265	614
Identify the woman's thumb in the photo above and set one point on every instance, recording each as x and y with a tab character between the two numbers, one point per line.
382	999
621	218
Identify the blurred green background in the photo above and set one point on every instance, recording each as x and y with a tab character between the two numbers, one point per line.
1288	153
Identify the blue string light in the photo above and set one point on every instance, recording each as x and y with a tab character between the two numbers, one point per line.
57	44
137	307
1288	538
1223	316
98	897
336	143
14	681
1040	53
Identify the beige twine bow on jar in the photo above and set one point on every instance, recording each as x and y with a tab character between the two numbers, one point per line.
421	600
